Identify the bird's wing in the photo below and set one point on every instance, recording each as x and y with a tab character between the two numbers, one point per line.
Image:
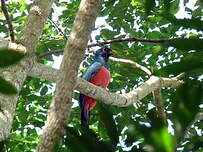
91	71
88	75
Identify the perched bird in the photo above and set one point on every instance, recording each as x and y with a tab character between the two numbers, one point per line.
98	74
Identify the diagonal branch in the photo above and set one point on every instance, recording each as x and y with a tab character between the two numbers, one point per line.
74	52
34	24
147	71
8	20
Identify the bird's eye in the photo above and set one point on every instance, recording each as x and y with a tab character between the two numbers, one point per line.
105	49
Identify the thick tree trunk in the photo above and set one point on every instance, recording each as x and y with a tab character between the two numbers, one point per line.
74	51
16	74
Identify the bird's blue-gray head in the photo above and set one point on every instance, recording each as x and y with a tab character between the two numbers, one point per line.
105	53
102	55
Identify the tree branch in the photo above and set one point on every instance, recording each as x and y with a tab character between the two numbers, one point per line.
100	94
56	52
147	71
159	104
106	42
73	55
34	24
8	20
7	45
127	40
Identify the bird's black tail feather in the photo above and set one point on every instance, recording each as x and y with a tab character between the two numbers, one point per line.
85	113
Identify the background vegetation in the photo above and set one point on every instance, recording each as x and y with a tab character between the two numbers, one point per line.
137	127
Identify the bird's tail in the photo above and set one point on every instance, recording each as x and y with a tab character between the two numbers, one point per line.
85	113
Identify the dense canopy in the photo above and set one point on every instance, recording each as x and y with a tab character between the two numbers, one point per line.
153	38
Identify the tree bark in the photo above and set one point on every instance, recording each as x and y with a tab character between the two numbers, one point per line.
7	45
16	74
159	105
74	51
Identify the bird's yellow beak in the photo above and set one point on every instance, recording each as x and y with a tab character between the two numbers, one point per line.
113	52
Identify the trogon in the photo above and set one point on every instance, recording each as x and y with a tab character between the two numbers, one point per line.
98	74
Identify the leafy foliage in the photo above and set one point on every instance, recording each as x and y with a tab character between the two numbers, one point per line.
190	63
186	44
135	128
187	23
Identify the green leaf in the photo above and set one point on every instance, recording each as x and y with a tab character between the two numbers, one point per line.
109	123
186	44
189	63
186	104
158	135
9	57
154	35
23	5
2	145
6	87
3	28
193	23
173	6
155	134
149	4
85	142
19	19
44	91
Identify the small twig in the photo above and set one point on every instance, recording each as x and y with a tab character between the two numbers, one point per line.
127	40
59	29
8	20
180	75
55	52
132	63
159	104
106	42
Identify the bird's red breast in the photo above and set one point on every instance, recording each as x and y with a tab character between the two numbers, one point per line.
102	78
